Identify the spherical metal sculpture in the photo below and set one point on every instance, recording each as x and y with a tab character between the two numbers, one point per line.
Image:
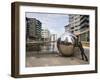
66	44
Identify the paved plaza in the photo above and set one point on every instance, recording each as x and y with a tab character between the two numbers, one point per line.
37	59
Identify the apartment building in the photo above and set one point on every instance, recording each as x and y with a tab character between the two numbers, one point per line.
33	29
79	25
45	34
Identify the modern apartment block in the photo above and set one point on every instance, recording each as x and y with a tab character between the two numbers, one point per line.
53	40
33	29
79	25
84	29
74	22
45	34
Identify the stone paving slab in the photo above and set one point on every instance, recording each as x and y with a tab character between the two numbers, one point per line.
54	59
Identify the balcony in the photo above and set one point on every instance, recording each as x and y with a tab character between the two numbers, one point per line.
82	16
83	29
85	19
84	25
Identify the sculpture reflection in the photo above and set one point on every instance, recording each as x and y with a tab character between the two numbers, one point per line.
66	43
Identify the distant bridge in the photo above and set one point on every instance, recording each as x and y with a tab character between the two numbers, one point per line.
39	42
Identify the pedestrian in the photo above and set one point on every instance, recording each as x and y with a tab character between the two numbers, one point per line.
82	51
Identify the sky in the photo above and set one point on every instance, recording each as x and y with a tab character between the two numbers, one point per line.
53	22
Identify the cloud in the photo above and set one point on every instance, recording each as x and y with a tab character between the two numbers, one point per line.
54	22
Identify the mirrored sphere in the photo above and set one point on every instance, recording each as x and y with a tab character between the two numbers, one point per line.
66	44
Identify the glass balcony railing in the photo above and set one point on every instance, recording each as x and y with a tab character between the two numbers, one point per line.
84	25
83	29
